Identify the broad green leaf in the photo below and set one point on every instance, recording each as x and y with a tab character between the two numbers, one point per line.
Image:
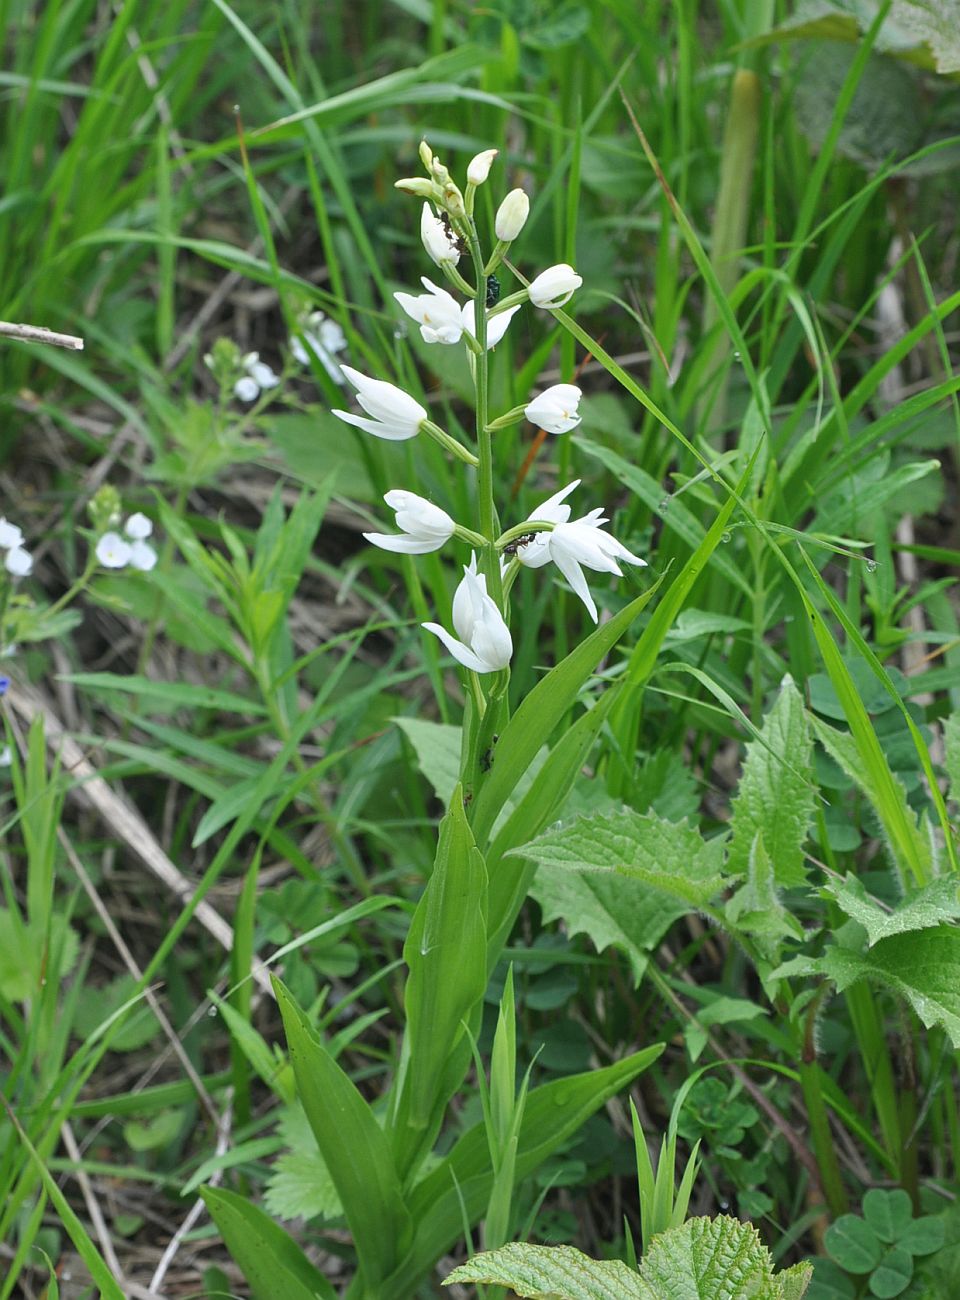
270	1260
542	1272
716	1259
437	747
626	914
446	953
670	856
541	710
923	967
859	754
908	26
755	908
353	1145
923	1236
458	1188
888	1212
721	1011
509	879
922	909
775	797
892	1275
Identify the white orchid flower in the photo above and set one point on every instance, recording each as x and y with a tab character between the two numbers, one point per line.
18	562
324	338
258	377
423	526
440	244
512	216
496	325
485	645
11	536
554	286
555	409
478	168
437	313
574	545
395	414
113	551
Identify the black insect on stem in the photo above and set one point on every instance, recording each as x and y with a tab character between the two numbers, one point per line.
511	548
486	758
452	235
493	291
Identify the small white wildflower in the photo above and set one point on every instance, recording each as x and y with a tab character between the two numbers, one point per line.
554	286
440	244
323	338
18	562
485	645
555	409
142	556
395	414
10	536
258	378
512	215
424	526
113	552
138	526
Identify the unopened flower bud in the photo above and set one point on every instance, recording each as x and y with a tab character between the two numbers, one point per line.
418	185
478	169
103	508
426	154
453	200
512	215
439	172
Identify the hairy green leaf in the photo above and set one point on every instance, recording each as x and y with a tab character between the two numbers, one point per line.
542	1272
716	1259
922	909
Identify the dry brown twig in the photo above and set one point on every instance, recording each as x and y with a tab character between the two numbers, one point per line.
40	334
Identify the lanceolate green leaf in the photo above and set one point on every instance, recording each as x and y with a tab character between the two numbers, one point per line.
354	1147
775	796
458	1188
270	1260
446	954
541	710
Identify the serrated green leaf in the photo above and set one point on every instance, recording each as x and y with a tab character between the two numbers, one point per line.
354	1148
755	908
300	1187
716	1259
446	954
923	967
887	1212
542	1272
541	710
922	909
670	856
437	748
775	797
269	1259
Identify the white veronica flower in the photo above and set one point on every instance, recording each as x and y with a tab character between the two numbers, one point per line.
512	215
554	286
258	377
424	526
138	527
555	409
478	168
574	545
485	645
436	312
496	325
142	556
324	338
113	552
440	244
18	562
395	414
10	536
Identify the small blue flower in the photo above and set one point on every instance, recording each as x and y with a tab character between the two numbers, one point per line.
4	683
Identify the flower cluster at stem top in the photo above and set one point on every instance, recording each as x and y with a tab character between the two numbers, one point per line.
479	320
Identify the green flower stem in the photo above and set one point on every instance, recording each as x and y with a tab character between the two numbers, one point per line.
511	300
521	530
455	278
489	524
513	416
448	443
822	1140
496	257
468	535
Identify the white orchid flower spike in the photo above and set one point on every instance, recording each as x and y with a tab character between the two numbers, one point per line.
485	645
436	312
555	409
395	415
